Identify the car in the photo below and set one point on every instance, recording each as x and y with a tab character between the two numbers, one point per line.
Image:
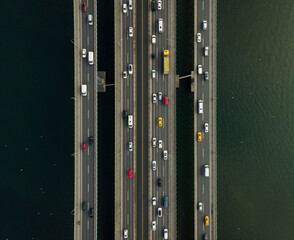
130	31
206	127
154	142
198	37
84	6
200	206
160	122
159	212
125	75
125	114
153	165
159	7
206	75
153	74
154	98
164	155
90	19
91	212
160	96
159	182
153	201
205	237
130	68
130	5
124	8
84	206
153	39
84	147
165	100
153	224
130	172
165	233
91	140
206	221
199	69
159	143
130	146
205	51
84	53
153	5
199	137
204	25
126	233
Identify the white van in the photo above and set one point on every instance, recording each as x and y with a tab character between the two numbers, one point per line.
200	106
84	90
130	121
90	58
130	5
160	25
206	170
90	19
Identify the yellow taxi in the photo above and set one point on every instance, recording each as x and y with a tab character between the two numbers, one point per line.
199	137
160	122
206	221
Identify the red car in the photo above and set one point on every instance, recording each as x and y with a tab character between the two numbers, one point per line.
165	101
84	147
130	173
84	6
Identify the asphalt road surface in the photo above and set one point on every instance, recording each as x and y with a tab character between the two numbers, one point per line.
87	125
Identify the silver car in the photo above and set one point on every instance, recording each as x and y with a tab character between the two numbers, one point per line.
130	146
84	53
164	155
153	165
124	8
126	233
159	212
153	73
130	31
200	206
160	96
154	201
204	25
206	127
153	224
159	6
153	142
125	75
159	143
154	98
198	37
206	75
130	68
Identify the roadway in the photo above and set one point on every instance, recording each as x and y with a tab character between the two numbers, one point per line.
88	186
203	147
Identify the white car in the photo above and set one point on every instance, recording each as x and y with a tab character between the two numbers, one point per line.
130	31
206	127
153	39
206	75
154	201
154	98
200	206
204	25
153	165
84	53
130	68
200	69
124	8
126	233
205	51
153	73
160	96
130	146
153	224
125	75
165	155
159	143
159	212
159	6
153	142
198	37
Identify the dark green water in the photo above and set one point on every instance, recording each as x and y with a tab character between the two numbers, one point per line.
36	174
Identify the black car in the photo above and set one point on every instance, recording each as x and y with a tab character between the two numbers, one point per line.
153	5
125	114
91	212
84	206
205	236
159	182
91	140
